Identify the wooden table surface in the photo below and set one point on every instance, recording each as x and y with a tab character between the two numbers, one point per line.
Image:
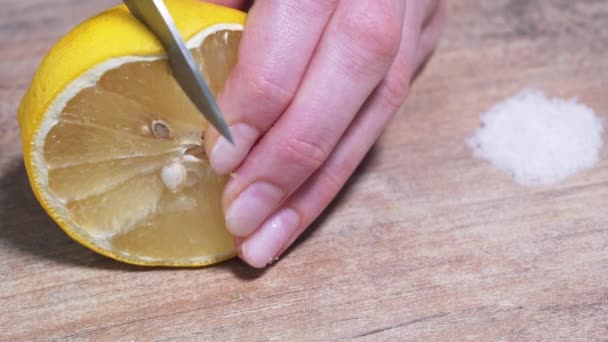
426	242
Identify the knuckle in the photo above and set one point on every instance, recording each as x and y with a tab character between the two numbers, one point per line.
325	4
269	92
312	8
303	153
377	32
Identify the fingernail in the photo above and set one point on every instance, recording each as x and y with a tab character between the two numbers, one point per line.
252	207
263	247
225	157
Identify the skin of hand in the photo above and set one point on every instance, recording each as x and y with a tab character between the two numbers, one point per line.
315	84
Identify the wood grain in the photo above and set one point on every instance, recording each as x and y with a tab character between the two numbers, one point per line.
426	243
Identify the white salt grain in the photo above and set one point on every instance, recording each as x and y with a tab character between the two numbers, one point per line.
539	140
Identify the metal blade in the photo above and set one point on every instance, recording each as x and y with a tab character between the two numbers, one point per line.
155	15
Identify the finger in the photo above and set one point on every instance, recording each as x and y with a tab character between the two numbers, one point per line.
239	4
275	49
280	230
430	36
430	8
310	208
353	56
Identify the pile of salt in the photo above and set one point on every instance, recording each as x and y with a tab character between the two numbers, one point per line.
539	140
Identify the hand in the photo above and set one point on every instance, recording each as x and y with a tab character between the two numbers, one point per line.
315	84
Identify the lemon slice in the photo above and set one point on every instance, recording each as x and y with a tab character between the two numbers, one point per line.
113	147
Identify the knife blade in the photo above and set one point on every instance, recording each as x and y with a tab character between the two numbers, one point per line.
156	17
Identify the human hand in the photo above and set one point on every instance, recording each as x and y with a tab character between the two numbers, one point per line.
315	84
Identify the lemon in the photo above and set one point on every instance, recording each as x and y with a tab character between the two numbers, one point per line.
113	147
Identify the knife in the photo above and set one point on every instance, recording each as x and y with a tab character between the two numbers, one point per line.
156	17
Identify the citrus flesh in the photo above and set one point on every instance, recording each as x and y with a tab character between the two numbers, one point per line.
116	156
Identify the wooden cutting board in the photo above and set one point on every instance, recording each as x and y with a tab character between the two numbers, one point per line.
426	243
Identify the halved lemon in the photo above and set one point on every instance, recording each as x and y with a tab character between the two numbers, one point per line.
113	147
